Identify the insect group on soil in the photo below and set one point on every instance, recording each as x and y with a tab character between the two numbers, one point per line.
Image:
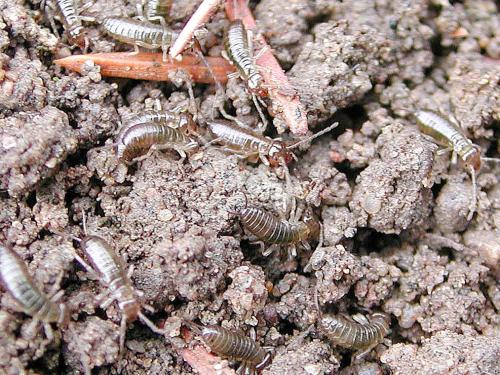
157	130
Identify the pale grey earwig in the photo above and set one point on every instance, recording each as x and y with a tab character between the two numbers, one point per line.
270	229
140	33
233	345
162	130
248	144
16	280
68	12
108	267
449	134
238	50
356	332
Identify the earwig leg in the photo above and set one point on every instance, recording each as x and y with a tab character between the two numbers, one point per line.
231	118
270	249
306	246
87	18
54	290
233	75
149	308
56	295
293	251
33	326
261	52
123	331
261	115
150	324
443	151
104	305
360	318
361	353
49	332
85	265
136	50
454	158
473	204
140	12
130	271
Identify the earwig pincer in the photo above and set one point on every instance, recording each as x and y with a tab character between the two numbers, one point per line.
448	134
356	332
136	139
109	269
248	144
233	345
269	229
140	33
16	280
71	19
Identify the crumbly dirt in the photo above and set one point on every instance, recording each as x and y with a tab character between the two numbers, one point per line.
393	211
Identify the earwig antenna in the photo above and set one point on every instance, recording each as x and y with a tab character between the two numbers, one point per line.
318	134
495	160
473	205
84	222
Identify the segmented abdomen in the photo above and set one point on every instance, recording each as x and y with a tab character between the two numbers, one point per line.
17	281
238	51
355	335
238	138
131	31
270	229
68	12
233	345
136	140
172	119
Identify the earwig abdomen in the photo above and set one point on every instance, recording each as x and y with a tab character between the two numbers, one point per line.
238	138
448	134
171	119
238	51
350	334
135	141
16	280
142	33
234	345
71	21
111	272
270	229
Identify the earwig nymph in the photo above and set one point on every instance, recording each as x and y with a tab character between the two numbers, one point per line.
16	280
356	332
233	345
448	134
269	229
140	33
109	269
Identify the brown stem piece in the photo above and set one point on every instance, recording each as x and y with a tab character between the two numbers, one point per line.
286	103
149	66
204	12
205	363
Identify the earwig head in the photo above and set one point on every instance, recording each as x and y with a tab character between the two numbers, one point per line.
254	84
381	315
312	223
278	152
131	310
472	159
77	37
187	124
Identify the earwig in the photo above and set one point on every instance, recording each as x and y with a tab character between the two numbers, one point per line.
109	268
248	144
71	20
362	334
272	230
154	10
448	134
16	280
233	345
153	130
140	33
238	50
